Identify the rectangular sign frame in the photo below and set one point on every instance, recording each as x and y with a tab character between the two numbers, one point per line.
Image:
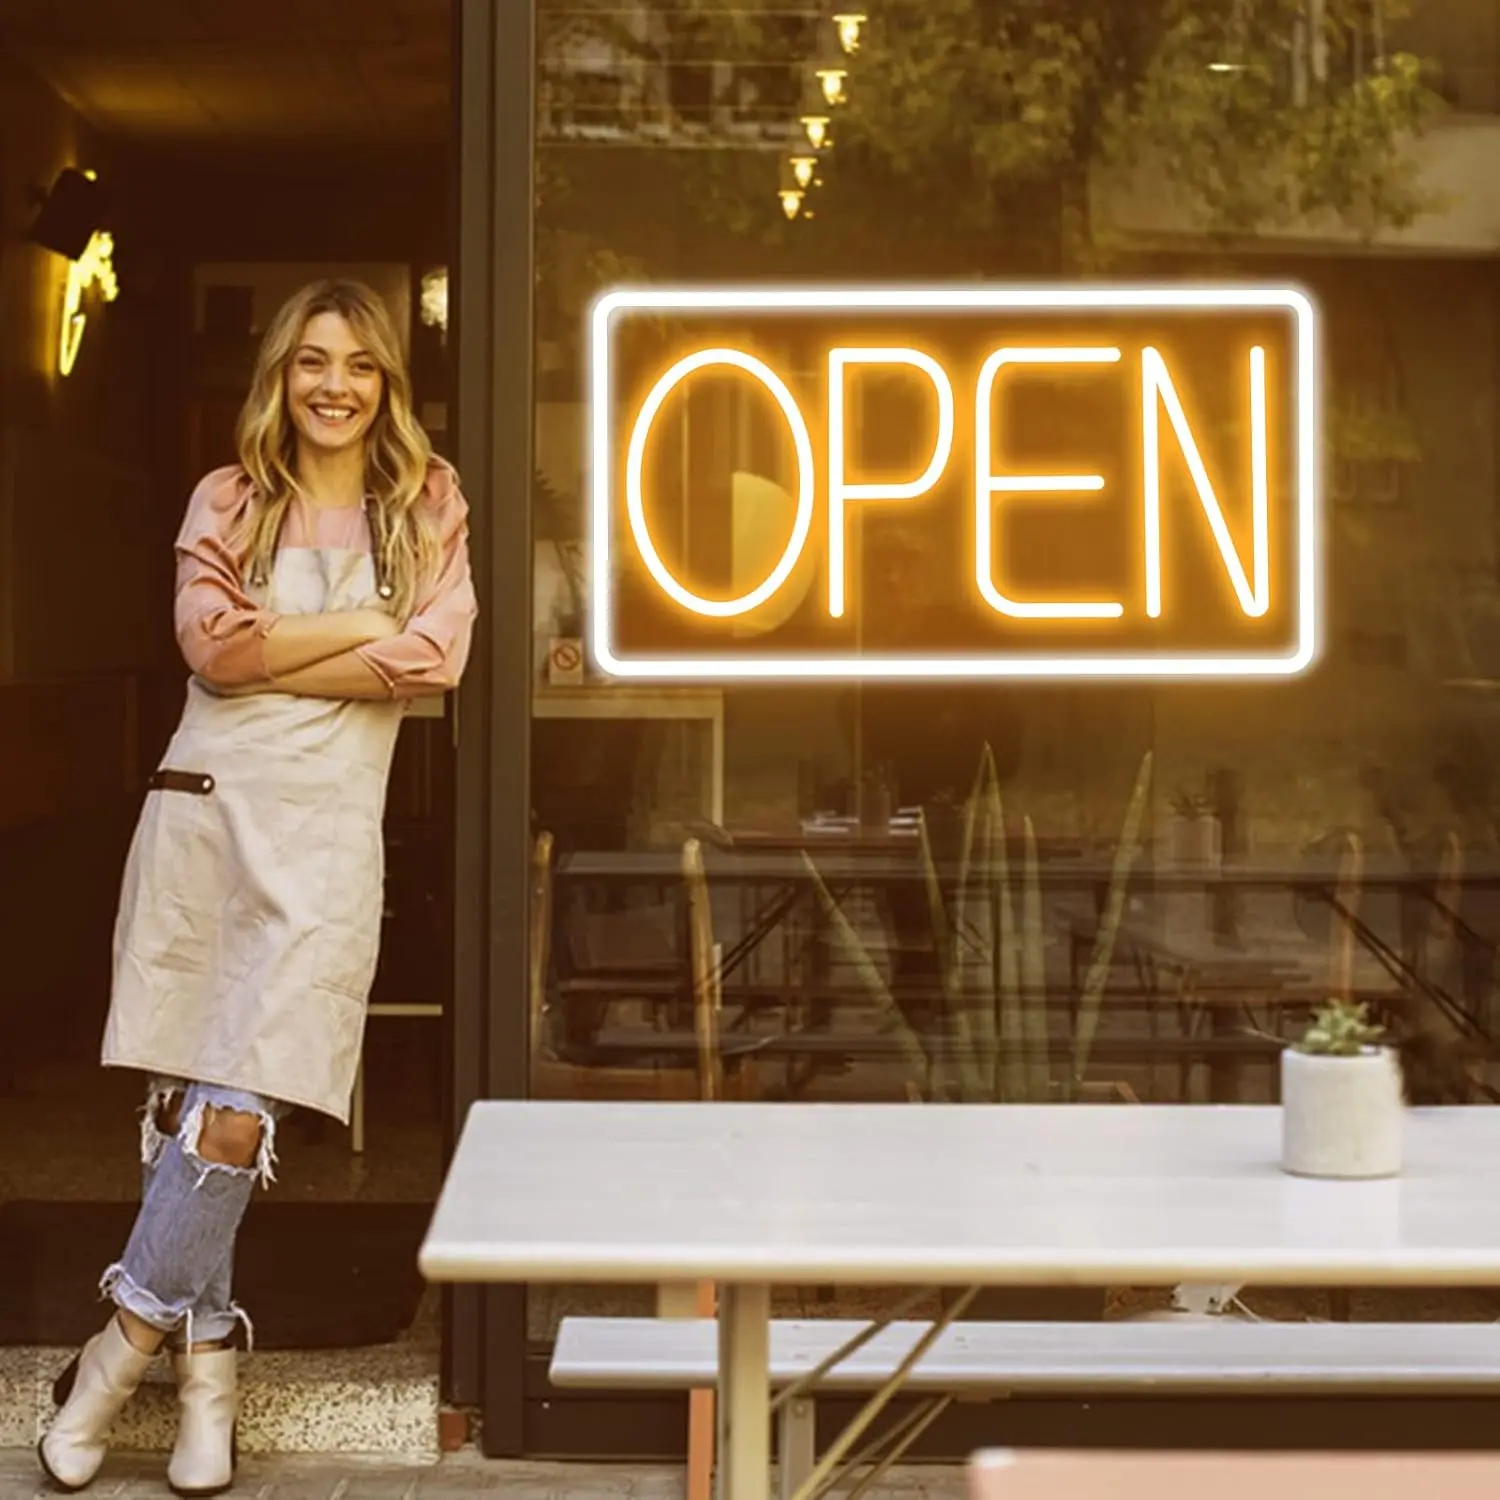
729	668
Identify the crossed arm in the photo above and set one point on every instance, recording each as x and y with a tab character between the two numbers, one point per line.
240	648
318	656
347	675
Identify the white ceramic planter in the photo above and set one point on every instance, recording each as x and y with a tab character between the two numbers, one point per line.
1197	842
1341	1116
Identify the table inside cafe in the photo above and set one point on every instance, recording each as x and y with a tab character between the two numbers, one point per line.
769	882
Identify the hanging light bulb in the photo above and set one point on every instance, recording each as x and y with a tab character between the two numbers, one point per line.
803	168
816	126
791	201
849	23
832	80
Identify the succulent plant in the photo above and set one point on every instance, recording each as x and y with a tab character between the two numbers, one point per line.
1341	1028
1187	804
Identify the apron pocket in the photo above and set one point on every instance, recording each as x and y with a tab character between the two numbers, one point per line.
355	899
168	912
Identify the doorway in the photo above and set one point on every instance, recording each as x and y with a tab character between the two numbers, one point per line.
240	152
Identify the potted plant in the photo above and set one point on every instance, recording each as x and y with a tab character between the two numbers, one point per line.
1342	1102
1196	840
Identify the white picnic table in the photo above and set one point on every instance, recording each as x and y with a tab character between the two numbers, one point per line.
754	1195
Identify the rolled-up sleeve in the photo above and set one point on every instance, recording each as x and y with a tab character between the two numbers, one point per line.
220	629
429	655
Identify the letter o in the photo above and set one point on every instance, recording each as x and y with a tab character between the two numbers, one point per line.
722	609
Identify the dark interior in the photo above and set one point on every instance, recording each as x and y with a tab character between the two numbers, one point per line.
239	150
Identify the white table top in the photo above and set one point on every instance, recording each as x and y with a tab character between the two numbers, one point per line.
945	1195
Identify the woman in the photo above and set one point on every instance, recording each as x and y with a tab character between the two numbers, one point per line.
321	583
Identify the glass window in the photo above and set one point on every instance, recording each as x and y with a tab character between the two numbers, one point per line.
1122	867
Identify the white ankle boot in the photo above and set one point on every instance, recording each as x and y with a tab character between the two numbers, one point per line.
207	1404
103	1379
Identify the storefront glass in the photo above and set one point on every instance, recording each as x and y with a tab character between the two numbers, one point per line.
1193	600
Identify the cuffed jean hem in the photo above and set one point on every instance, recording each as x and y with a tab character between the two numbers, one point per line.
117	1286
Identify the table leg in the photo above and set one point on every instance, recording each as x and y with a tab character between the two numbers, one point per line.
744	1393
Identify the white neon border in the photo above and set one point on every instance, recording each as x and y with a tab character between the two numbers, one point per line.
993	667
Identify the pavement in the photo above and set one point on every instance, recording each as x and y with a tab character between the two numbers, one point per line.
126	1477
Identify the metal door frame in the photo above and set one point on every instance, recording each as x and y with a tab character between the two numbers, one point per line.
491	349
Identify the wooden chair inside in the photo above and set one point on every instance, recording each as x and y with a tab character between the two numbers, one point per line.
554	1077
735	1079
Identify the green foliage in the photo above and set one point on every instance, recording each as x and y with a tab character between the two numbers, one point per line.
1340	1028
983	125
573	266
991	1043
990	109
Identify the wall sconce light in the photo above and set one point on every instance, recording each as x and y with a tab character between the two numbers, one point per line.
434	306
94	268
70	213
803	168
68	224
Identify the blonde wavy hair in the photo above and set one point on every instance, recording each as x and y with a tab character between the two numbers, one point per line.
397	452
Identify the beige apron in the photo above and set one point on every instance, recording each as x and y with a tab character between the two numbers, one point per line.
249	922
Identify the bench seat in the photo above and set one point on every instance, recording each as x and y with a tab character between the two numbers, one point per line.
1170	1357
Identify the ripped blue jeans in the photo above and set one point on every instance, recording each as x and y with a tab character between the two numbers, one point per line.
178	1267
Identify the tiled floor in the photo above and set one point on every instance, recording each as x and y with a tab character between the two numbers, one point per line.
462	1474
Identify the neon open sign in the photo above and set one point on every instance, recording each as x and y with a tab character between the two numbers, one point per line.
1098	481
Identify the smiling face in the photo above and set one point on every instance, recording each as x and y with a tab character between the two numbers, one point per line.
333	385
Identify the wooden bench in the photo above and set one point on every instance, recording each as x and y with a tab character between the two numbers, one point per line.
1038	1475
974	1360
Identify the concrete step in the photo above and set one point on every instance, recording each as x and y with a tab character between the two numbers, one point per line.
379	1402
